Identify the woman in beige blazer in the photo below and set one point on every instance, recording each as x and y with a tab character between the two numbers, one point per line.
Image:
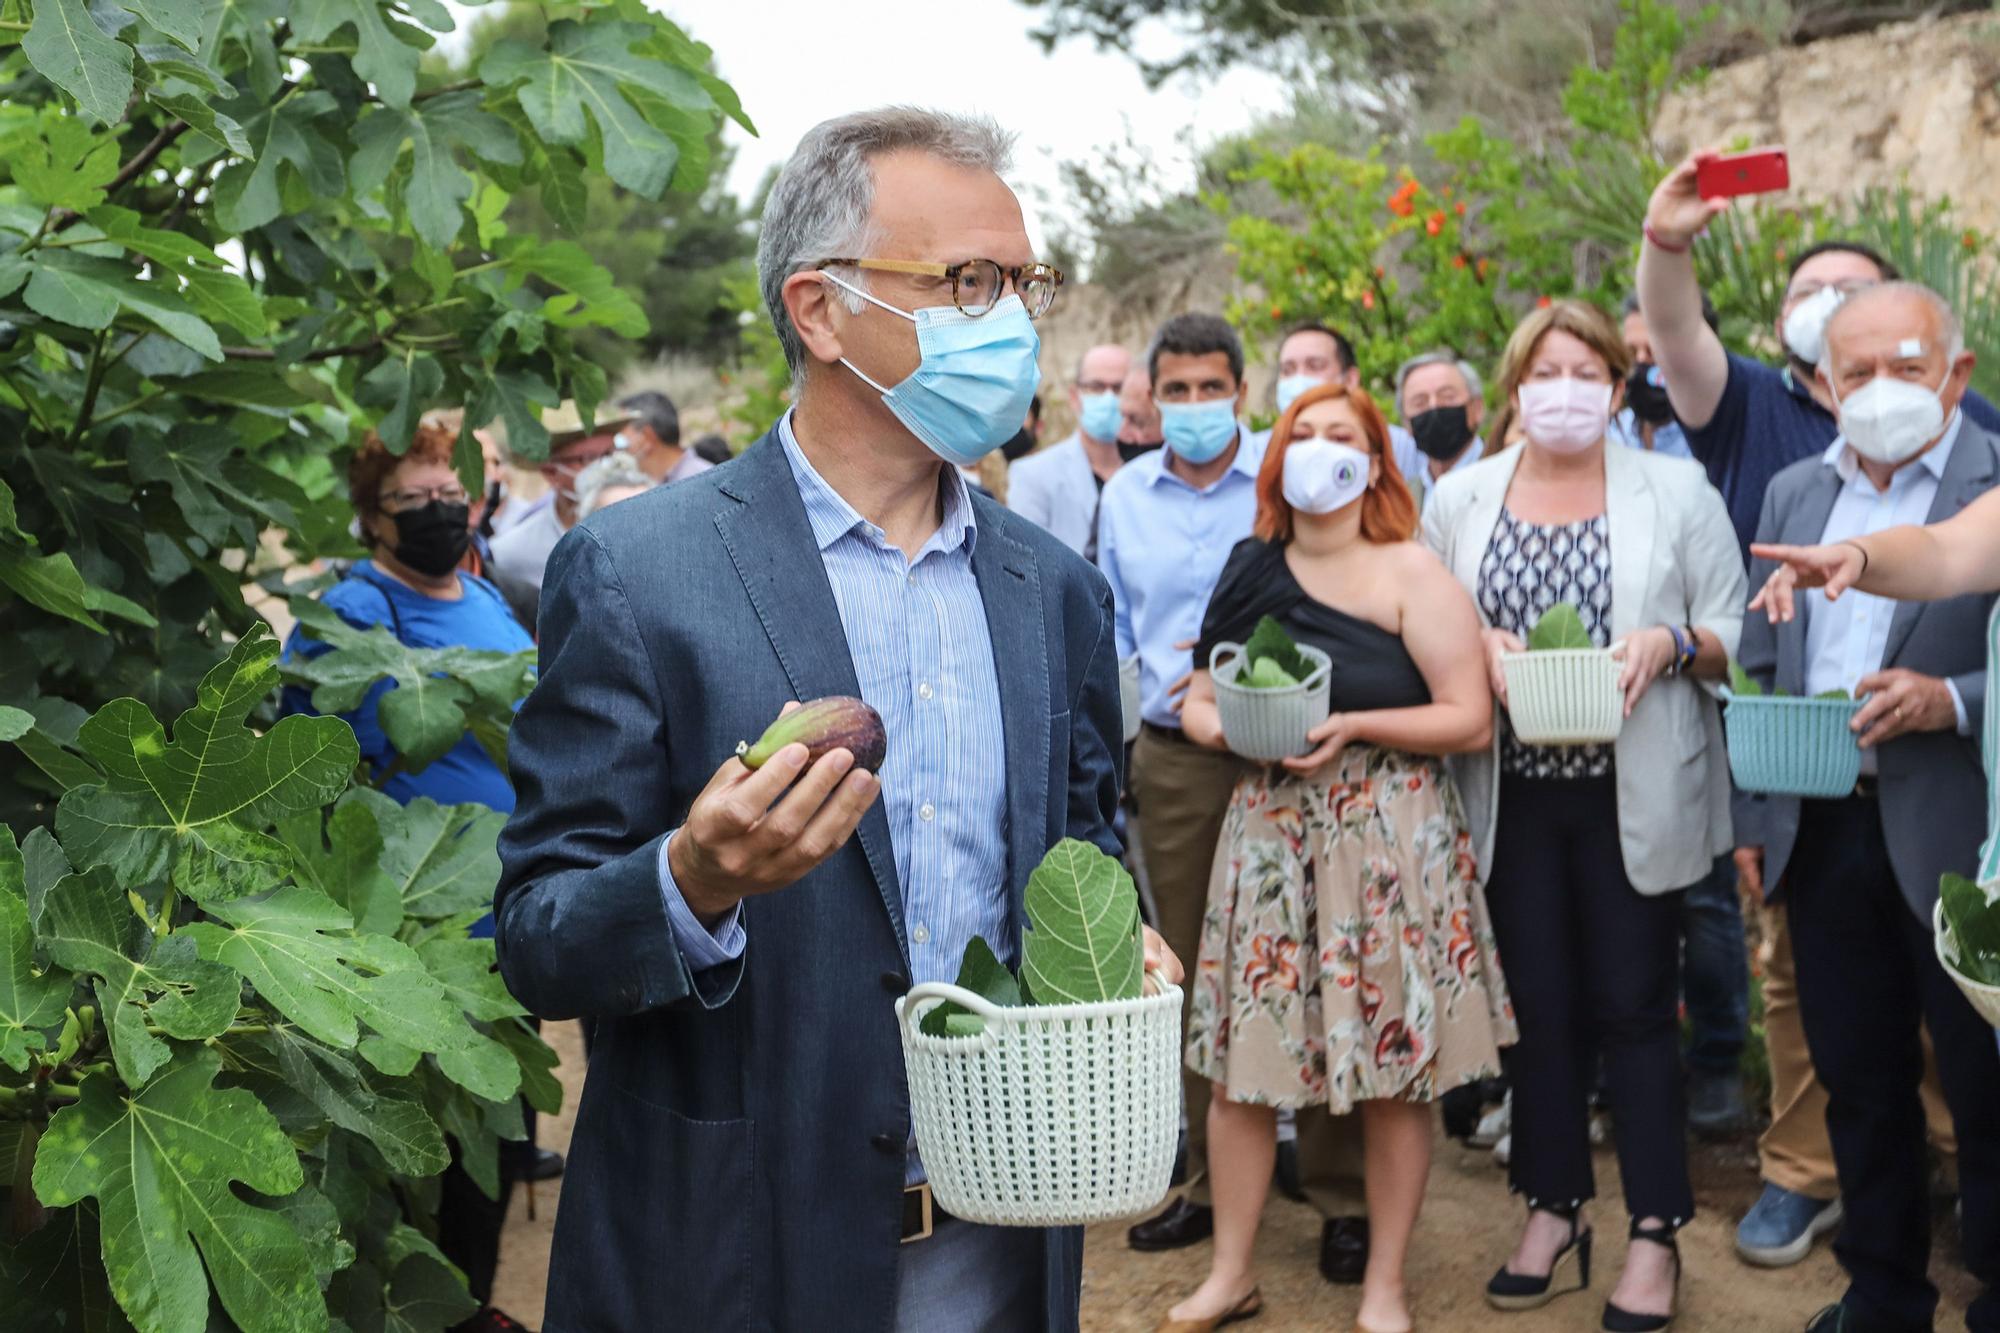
1588	848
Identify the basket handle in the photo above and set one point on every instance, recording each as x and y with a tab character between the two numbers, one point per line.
1155	983
1217	653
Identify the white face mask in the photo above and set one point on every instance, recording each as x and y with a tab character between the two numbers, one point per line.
1321	476
1805	327
1890	421
1565	416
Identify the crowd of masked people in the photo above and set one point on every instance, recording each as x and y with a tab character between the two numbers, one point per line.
1425	908
1424	905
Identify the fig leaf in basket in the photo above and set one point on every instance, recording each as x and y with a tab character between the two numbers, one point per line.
1974	922
1266	674
1269	643
1560	627
982	973
1842	695
1083	944
1742	684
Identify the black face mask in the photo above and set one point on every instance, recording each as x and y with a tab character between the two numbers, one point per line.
1442	432
1019	445
1128	452
432	539
1646	391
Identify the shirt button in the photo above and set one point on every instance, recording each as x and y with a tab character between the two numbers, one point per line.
924	691
922	934
926	811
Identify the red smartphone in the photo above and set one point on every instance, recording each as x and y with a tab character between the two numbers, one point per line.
1759	171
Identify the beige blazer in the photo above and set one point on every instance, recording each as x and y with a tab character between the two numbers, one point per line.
1674	561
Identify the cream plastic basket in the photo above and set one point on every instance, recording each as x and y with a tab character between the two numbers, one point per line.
1269	725
1128	696
1984	998
1055	1115
1564	696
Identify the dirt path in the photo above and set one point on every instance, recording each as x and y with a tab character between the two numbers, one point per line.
1468	1220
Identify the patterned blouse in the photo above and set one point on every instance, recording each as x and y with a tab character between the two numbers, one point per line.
1528	568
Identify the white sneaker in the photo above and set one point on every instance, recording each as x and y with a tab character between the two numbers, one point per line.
1493	1126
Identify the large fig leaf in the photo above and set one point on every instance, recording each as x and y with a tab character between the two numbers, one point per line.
1973	918
1561	627
1269	643
442	857
399	1127
189	808
341	856
982	973
1083	945
29	1000
436	692
298	948
89	927
159	1163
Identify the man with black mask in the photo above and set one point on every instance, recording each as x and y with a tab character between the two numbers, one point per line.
1648	421
1438	394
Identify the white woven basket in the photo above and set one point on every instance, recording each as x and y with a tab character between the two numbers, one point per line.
1269	725
1055	1115
1984	998
1564	696
1128	695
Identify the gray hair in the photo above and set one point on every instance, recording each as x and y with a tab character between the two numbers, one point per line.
656	412
1438	357
819	206
1948	322
608	473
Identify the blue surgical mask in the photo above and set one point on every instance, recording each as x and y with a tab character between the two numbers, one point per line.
974	376
1290	387
1101	418
1199	432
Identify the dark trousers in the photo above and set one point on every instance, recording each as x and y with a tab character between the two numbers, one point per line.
1593	967
1868	977
1715	971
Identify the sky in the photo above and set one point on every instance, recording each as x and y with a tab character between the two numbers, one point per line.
797	62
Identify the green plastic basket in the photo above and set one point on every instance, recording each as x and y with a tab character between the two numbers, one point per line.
1792	747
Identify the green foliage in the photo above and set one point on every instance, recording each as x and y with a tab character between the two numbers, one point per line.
228	984
1082	945
1973	918
1743	685
761	383
1560	629
234	237
982	973
1271	650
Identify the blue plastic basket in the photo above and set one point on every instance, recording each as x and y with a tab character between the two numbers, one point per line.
1792	747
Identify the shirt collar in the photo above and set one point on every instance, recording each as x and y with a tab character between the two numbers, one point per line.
833	518
1840	455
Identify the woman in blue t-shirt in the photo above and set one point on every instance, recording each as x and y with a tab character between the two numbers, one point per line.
415	517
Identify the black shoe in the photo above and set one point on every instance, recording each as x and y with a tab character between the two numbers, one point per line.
1716	1109
1178	1225
490	1320
1285	1175
1618	1320
1524	1291
537	1164
1343	1250
1834	1319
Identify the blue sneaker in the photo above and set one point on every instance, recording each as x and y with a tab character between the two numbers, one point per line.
1780	1228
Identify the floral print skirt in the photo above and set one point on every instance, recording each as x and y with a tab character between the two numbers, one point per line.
1347	955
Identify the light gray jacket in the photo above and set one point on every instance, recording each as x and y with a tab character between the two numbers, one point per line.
1674	561
1054	489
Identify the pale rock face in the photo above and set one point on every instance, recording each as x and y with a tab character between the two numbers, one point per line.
1911	103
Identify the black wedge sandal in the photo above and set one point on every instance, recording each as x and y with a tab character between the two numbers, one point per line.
1618	1320
1524	1291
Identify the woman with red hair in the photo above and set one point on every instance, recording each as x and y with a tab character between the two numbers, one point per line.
1346	959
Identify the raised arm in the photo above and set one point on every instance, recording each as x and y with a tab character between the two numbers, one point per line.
1688	352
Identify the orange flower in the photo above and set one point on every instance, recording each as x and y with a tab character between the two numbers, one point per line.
1543	303
1435	222
1480	268
1277	312
1403	202
1459	208
1458	261
1367	300
1378	270
1970	240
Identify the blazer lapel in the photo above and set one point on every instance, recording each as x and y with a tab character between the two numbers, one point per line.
771	543
1483	513
1805	528
1631	513
1968	475
1010	585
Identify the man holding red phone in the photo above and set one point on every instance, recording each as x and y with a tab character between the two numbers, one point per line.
1746	422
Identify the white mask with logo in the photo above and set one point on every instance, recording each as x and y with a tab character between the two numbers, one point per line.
1322	476
1890	421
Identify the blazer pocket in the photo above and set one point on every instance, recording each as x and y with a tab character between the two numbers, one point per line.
683	1192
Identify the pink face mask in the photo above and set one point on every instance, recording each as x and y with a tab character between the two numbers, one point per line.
1565	416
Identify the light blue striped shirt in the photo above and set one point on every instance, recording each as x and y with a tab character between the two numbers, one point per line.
1161	545
917	632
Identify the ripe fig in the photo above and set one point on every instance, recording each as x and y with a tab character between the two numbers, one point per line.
833	723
